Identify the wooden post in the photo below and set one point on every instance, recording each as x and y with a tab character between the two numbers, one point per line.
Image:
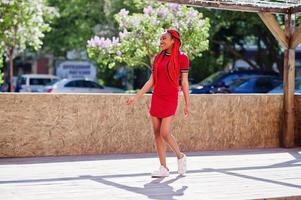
296	40
288	136
272	24
288	39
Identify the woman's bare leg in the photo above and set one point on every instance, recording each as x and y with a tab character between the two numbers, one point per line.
160	146
168	137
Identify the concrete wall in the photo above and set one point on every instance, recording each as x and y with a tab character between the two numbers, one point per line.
70	124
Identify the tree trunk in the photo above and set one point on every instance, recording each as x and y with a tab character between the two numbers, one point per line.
11	69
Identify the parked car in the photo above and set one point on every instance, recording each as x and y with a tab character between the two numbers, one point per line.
279	89
80	86
34	82
256	84
224	79
229	88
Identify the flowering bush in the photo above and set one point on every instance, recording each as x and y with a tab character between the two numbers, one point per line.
22	24
138	40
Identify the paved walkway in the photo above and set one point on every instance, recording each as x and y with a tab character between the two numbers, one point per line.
235	174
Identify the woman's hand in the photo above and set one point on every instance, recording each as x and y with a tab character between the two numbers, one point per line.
131	100
186	111
147	86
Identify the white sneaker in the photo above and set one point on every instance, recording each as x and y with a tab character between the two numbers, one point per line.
162	172
182	166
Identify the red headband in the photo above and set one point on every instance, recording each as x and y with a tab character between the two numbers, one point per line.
175	34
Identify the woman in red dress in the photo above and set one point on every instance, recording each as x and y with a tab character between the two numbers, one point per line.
169	66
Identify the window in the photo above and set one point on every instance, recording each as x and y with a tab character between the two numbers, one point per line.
74	84
83	84
298	84
23	81
39	81
229	79
237	82
95	85
88	84
276	82
209	80
264	84
53	81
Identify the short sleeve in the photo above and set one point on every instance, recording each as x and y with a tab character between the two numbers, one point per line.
184	63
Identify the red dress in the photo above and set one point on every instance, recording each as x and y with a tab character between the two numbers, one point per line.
164	101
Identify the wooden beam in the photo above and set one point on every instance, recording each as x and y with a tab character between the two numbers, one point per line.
270	21
288	136
296	9
230	6
296	40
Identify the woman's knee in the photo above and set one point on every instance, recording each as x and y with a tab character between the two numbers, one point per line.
156	125
164	134
157	133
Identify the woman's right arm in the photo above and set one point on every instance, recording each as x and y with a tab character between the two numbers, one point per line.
147	86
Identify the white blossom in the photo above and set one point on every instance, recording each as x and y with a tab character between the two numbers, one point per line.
140	32
148	10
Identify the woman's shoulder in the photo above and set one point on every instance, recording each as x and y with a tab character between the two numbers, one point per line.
157	56
183	56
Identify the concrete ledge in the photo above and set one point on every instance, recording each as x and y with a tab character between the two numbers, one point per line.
76	124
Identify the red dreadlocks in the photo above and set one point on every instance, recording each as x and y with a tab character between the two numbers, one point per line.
173	65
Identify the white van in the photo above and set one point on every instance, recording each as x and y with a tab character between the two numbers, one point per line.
34	82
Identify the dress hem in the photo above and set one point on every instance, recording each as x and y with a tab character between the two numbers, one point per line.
165	116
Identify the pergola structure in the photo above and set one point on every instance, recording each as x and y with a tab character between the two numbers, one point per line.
289	38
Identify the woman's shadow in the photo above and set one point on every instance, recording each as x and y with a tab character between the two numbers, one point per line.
156	189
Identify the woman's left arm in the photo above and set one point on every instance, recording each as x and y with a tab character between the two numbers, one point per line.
185	89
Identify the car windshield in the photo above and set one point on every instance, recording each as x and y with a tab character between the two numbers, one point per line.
39	81
238	82
209	80
23	81
53	81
